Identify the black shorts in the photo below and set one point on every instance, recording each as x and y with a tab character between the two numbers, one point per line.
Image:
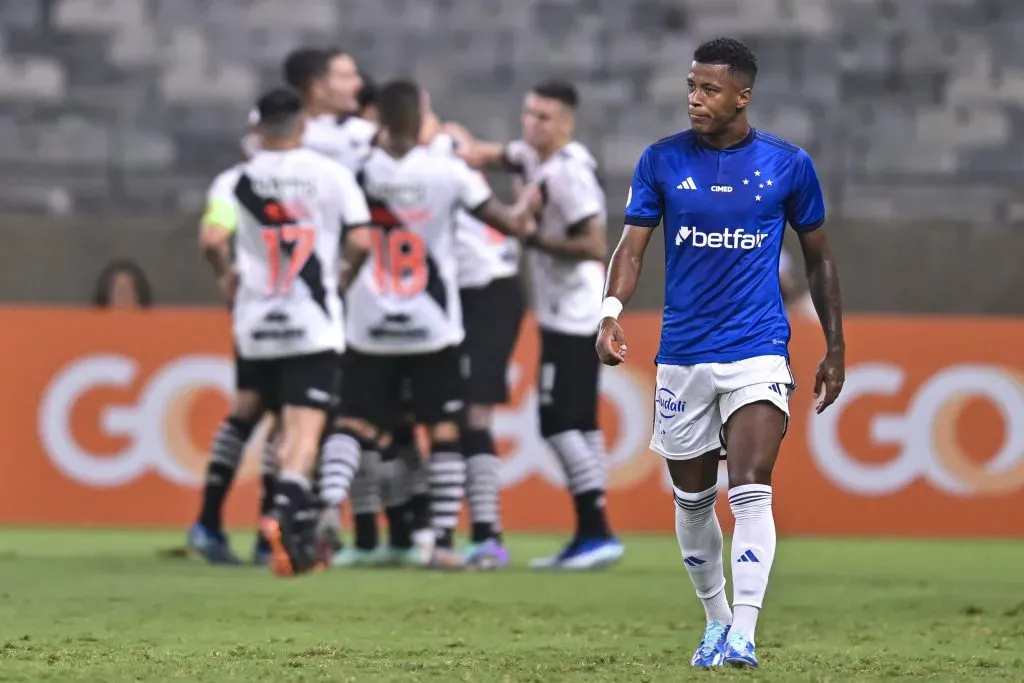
384	389
309	381
568	382
246	377
491	316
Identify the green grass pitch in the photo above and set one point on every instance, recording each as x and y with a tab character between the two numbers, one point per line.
103	606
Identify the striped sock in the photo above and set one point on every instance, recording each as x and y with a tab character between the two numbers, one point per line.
366	503
447	480
339	461
585	479
482	484
225	456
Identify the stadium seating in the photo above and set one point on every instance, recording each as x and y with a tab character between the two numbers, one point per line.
913	109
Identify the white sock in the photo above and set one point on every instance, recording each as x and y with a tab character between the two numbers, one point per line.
700	541
753	550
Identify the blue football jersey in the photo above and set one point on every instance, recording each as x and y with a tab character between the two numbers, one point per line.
724	214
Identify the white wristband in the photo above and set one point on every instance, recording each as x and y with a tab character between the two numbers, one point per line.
611	308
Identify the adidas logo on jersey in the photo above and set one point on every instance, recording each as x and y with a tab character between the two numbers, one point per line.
727	239
687	184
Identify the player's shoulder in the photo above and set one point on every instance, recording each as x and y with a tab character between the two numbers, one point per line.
443	144
778	144
518	151
572	161
310	161
358	128
681	140
576	153
230	174
683	137
438	158
313	159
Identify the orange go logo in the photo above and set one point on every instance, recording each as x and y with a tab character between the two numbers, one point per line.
155	433
932	437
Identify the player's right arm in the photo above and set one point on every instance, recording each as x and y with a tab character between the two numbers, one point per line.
216	229
479	154
644	208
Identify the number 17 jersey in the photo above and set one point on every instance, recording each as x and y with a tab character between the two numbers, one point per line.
405	300
292	207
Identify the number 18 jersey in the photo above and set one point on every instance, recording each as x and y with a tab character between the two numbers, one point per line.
292	207
405	299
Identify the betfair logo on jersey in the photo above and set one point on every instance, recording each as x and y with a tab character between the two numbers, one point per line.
727	239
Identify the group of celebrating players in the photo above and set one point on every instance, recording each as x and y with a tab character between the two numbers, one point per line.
386	211
374	285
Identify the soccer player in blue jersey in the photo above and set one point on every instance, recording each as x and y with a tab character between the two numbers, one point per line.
724	192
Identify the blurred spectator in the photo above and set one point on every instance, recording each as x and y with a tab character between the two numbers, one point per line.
788	282
122	284
794	295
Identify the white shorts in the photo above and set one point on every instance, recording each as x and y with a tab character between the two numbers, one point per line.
693	402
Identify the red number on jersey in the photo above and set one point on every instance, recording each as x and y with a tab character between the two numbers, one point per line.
494	236
400	262
302	238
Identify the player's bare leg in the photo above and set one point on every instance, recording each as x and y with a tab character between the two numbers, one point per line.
366	501
483	487
290	526
695	488
406	497
412	466
207	535
753	436
269	469
405	448
447	478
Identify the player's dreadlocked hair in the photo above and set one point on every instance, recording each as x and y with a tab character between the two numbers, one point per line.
731	53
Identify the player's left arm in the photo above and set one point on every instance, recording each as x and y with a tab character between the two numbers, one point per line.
358	244
216	229
576	193
475	196
356	230
805	212
215	244
587	240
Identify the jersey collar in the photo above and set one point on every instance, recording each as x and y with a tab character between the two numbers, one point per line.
751	134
